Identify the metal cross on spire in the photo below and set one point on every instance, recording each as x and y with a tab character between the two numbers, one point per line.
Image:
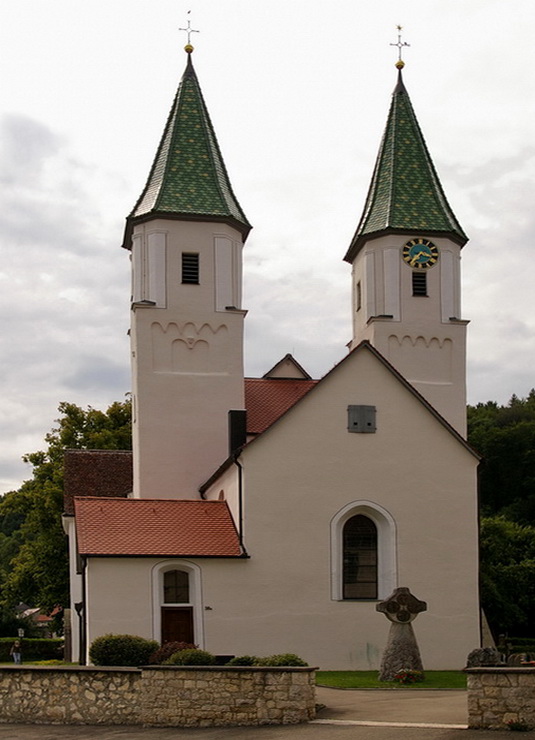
189	30
400	44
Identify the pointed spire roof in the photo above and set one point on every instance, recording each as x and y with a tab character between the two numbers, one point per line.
188	178
405	194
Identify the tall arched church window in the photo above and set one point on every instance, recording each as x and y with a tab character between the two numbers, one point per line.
359	558
363	552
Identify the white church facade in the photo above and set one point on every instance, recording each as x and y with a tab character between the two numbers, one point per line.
270	515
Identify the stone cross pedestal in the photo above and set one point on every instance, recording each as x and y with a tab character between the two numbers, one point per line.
401	652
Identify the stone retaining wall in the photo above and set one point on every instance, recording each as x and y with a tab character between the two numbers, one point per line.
497	696
157	696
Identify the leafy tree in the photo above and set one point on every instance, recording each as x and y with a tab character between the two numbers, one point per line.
33	545
508	575
505	437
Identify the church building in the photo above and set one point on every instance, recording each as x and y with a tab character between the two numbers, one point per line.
271	515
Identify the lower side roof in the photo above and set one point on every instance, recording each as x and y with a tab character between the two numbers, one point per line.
155	527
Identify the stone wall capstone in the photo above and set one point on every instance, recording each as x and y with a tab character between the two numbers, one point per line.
156	696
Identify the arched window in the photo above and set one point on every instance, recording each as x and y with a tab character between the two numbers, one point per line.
359	558
363	552
176	587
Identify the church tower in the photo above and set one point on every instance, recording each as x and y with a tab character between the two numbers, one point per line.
186	234
406	256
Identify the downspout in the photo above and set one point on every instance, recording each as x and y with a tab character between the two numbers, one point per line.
479	604
240	504
82	614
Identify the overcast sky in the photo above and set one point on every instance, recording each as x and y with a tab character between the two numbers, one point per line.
298	92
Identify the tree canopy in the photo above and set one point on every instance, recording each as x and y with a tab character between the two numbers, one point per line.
33	545
507	555
505	437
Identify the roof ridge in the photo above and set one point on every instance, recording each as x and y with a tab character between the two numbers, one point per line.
102	499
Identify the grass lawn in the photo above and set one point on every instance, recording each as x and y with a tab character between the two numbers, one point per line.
368	680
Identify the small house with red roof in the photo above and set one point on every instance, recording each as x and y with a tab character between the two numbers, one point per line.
270	515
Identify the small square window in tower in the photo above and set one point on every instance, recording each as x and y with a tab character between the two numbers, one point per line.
190	268
419	283
361	419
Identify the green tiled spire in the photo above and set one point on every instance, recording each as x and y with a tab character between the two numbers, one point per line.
405	193
188	178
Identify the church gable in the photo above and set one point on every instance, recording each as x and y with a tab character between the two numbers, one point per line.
363	379
288	367
316	454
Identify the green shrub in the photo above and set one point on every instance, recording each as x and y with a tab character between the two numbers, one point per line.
124	650
32	649
244	660
282	659
191	657
10	625
167	649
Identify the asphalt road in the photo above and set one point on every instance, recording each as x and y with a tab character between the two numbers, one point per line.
288	732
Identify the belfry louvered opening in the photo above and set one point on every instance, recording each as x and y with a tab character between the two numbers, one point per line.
419	283
190	268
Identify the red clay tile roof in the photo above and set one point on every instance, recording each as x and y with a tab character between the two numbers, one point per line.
167	528
267	399
96	473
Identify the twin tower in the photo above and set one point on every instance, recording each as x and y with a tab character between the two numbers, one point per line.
186	235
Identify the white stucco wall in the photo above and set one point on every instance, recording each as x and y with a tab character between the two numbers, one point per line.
187	354
298	476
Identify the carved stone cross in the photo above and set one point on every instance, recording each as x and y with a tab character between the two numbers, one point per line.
401	652
401	606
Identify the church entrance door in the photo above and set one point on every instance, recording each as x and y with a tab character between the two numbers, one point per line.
177	624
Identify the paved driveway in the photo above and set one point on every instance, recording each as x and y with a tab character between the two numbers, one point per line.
394	705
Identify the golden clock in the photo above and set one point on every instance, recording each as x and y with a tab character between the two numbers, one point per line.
420	253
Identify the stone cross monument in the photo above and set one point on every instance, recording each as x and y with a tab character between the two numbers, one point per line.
401	652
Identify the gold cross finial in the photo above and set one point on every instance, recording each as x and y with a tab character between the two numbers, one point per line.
189	30
400	44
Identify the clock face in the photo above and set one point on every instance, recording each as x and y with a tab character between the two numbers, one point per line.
420	253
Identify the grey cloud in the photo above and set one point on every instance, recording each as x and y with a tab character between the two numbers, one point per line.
25	145
97	373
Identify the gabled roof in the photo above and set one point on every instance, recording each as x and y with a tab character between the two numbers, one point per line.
365	346
267	398
405	194
287	367
96	473
163	528
313	385
188	178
